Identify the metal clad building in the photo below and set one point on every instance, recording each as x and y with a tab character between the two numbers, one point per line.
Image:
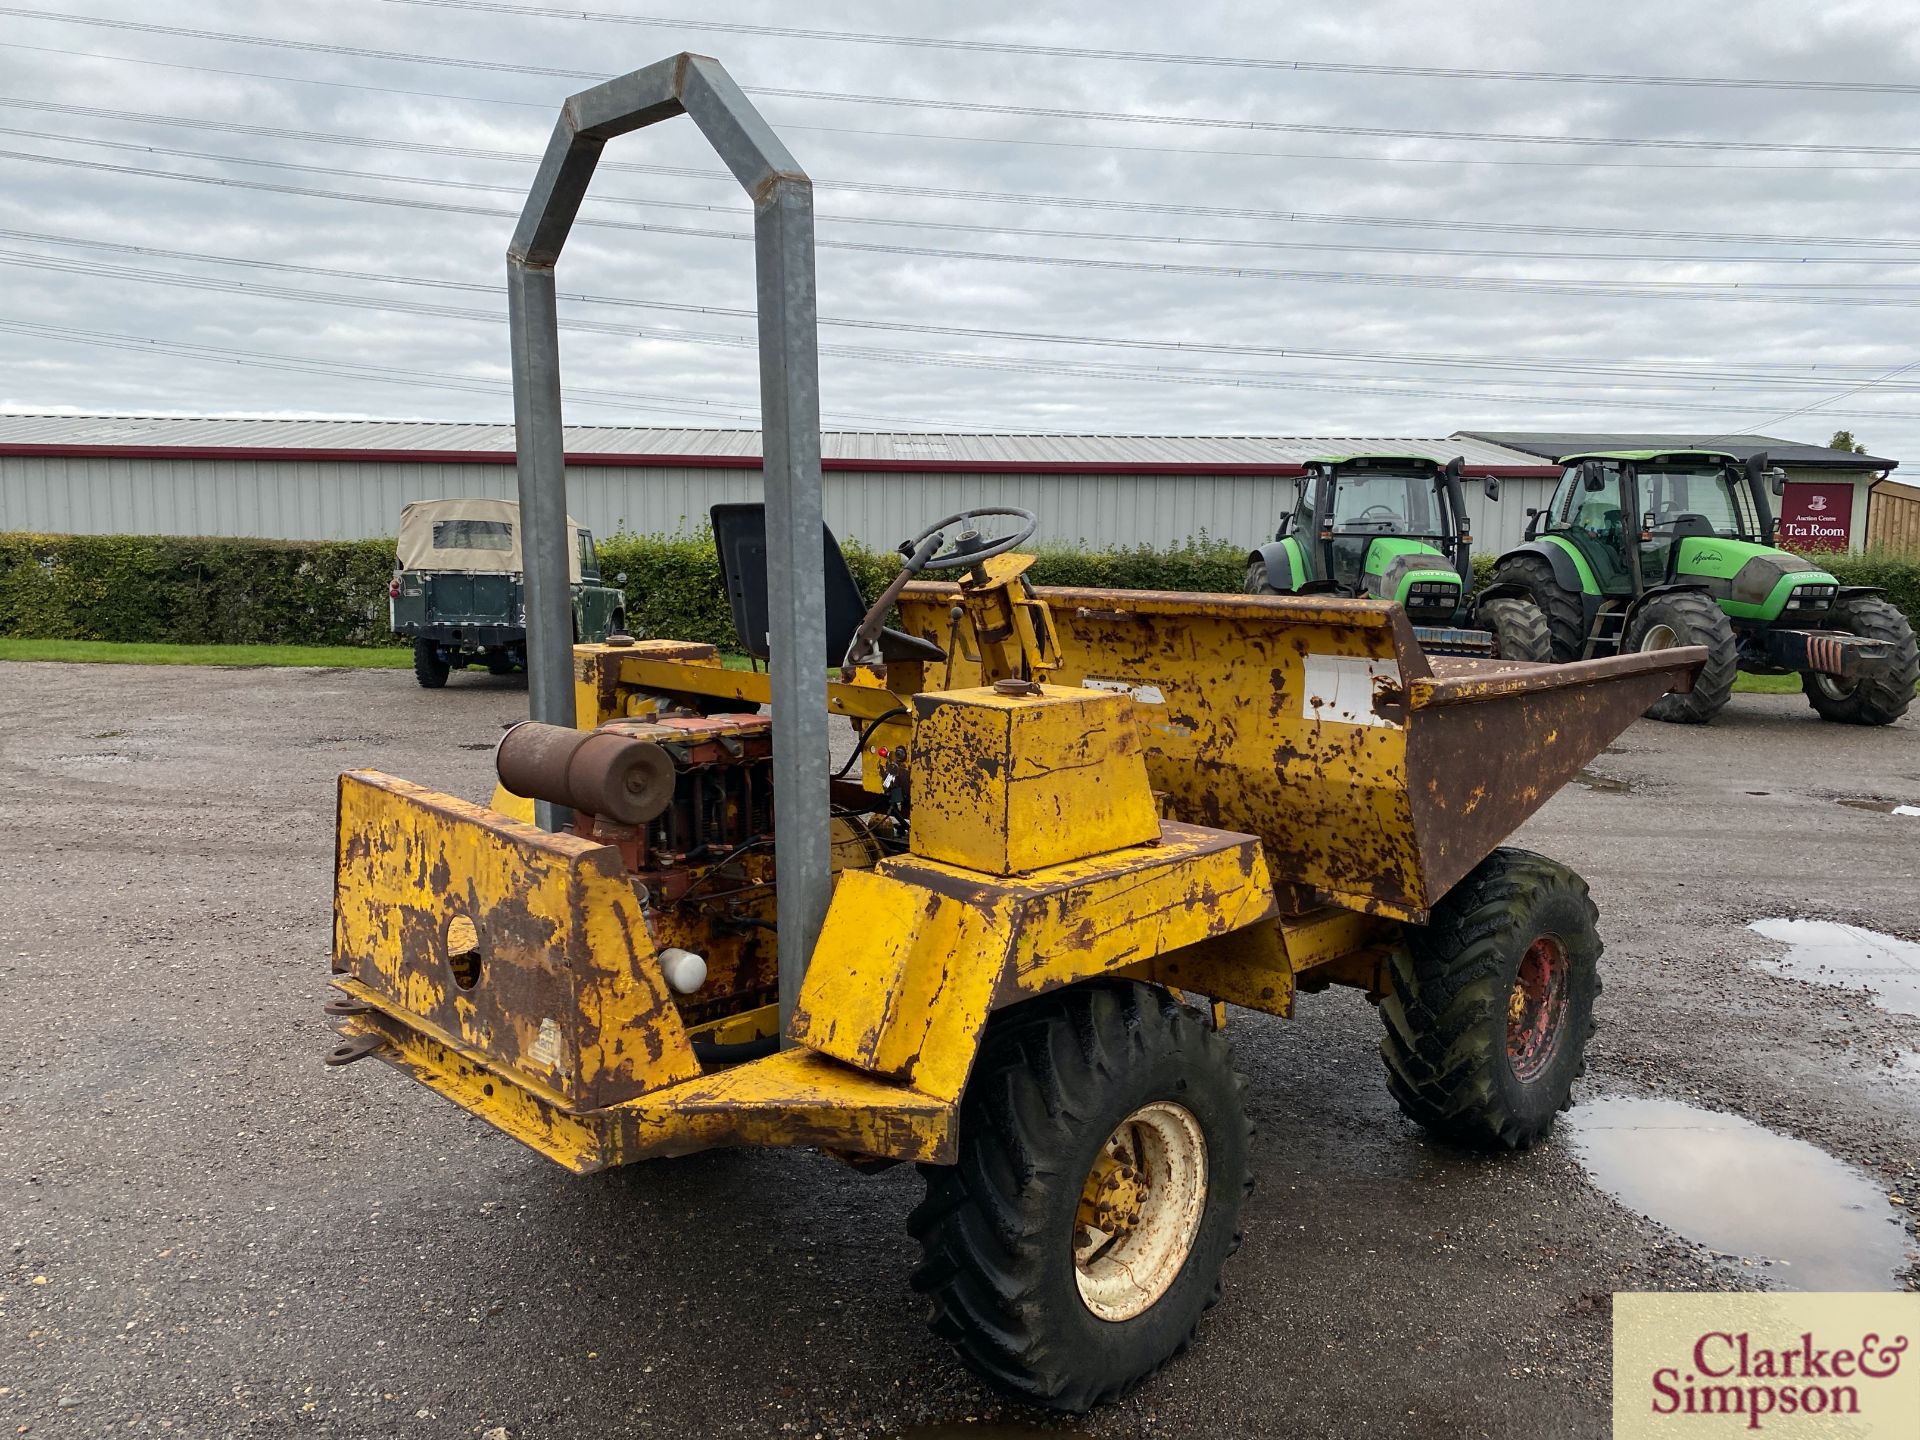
347	479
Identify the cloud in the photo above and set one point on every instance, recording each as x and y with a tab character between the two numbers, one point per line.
1400	341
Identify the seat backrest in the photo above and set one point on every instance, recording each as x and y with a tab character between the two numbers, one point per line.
740	537
1691	524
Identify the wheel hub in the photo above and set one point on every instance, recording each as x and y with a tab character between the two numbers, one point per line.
1659	637
1115	1195
1536	1007
1139	1211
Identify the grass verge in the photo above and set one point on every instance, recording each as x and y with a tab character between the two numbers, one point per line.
109	652
1766	685
345	657
354	657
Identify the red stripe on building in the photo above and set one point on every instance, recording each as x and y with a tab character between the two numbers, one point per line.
843	464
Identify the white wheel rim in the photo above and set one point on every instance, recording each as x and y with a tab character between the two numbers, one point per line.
1659	637
1140	1210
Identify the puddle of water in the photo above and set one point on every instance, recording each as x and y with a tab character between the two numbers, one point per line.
1882	807
1849	957
1740	1189
1609	783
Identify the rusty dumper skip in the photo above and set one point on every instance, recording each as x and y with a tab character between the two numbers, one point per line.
1084	823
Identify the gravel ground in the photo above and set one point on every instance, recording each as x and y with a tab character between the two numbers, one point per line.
205	1232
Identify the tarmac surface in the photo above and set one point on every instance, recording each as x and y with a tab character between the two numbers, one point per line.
204	1232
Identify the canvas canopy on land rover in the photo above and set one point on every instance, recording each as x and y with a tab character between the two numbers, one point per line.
457	588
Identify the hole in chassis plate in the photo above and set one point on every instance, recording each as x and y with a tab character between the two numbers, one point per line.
463	952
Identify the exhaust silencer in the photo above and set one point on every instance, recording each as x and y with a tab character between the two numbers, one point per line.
614	777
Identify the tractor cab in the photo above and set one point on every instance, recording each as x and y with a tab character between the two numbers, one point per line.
1643	548
1384	527
1633	515
1392	527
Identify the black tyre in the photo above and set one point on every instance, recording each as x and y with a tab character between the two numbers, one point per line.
1689	617
1883	699
1257	582
428	668
499	662
1104	1156
1519	629
1566	620
1492	1004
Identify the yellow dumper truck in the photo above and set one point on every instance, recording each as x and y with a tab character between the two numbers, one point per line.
1083	824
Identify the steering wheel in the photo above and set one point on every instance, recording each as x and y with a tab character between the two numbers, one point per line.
968	547
1387	512
929	550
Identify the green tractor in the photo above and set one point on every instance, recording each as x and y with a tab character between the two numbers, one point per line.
1395	527
1643	549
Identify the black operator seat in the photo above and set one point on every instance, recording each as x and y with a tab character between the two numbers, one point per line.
740	537
1690	523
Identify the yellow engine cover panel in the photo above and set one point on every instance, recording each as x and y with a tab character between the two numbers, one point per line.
530	949
1004	784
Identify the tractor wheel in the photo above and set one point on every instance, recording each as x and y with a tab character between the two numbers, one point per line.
1257	582
499	662
1883	699
1519	629
1104	1156
1689	617
428	668
1492	1004
1566	621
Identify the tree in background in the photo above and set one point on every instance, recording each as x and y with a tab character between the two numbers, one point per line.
1843	440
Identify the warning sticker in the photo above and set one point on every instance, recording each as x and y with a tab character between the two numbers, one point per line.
546	1045
1140	690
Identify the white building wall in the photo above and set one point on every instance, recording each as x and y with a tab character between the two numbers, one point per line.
341	500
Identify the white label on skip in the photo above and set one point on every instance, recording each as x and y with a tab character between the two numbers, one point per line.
546	1045
1340	689
1144	694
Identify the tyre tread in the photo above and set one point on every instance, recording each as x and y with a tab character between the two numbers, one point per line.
1440	1017
1037	1079
1562	610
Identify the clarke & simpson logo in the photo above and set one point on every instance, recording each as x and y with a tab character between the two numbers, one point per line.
1783	1365
1728	1374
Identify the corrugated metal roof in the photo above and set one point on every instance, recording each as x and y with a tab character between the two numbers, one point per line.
1040	450
1552	444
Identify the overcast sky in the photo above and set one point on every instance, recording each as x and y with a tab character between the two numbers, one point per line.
1411	327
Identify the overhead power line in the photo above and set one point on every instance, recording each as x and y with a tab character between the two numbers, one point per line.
1079	370
1754	373
312	365
438	380
1344	247
982	107
1164	57
1585	162
995	197
1754	292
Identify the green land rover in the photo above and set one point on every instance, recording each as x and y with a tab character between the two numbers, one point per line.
458	590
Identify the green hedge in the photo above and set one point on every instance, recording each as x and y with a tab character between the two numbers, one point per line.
169	590
673	581
156	589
